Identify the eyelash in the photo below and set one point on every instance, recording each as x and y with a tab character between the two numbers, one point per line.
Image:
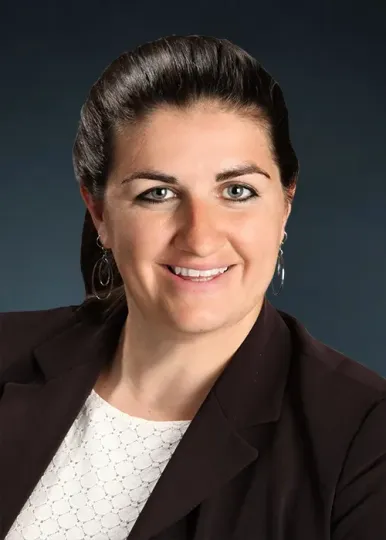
142	196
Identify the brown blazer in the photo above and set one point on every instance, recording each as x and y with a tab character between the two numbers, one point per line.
290	444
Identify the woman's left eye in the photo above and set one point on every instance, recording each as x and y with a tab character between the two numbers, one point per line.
238	192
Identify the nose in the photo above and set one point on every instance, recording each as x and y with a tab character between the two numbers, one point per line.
200	229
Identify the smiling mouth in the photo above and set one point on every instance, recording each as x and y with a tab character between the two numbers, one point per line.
197	275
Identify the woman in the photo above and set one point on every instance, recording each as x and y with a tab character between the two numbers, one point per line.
177	403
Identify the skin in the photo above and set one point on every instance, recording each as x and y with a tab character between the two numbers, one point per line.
178	337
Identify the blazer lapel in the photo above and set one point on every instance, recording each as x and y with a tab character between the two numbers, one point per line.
36	415
209	455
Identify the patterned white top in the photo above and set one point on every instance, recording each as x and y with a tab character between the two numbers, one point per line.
100	478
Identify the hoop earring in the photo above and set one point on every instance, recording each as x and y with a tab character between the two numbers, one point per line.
104	271
279	270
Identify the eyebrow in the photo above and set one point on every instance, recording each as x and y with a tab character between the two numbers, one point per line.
234	172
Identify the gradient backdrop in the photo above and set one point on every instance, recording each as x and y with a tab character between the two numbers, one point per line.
329	57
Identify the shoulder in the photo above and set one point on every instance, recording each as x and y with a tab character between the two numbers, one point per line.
340	410
328	373
340	403
20	331
30	322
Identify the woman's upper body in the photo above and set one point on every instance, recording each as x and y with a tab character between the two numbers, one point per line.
289	443
186	167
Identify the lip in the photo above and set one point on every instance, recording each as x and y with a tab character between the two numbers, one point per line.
201	268
217	282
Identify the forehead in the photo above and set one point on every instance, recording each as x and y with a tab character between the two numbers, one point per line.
203	135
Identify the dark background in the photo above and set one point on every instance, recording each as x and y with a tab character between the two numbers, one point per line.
330	60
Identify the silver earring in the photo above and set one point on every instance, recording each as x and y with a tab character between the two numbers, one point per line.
279	270
104	271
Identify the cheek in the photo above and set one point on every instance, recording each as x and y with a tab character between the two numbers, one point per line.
260	248
258	237
135	238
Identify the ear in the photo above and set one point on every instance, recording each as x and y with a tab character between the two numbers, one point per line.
290	194
96	211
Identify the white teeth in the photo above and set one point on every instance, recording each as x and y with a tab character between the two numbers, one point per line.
190	272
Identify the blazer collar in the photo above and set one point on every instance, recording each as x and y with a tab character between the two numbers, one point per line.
81	342
36	415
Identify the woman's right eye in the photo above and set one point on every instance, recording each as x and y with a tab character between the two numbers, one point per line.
157	195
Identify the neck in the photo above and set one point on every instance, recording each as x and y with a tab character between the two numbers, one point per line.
160	375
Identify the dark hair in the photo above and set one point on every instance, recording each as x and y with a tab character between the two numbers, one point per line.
88	253
177	71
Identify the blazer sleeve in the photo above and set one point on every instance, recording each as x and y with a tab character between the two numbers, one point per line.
359	511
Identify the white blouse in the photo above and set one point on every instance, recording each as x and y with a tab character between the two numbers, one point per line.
100	478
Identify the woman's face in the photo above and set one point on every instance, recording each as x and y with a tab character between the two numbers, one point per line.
196	190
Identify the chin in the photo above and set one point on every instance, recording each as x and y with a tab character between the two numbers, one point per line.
205	321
